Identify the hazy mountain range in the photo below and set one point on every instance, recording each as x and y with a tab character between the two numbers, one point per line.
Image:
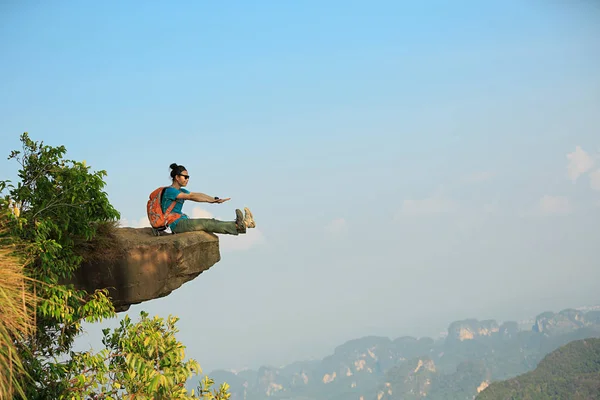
460	365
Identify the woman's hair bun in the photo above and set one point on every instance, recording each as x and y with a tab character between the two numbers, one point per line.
173	166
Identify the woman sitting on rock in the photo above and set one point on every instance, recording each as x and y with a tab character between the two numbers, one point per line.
177	192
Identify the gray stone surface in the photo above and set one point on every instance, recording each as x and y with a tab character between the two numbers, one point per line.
149	267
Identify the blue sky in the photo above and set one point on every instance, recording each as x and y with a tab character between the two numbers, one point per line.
408	164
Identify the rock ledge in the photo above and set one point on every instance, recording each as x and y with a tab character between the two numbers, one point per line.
149	267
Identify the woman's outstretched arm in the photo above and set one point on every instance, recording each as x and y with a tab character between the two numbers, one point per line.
201	197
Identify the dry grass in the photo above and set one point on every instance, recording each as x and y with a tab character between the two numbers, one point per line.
17	300
105	247
17	313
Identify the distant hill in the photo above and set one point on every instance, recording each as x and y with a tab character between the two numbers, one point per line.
571	372
460	366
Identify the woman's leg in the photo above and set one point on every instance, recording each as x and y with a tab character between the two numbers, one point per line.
212	225
207	225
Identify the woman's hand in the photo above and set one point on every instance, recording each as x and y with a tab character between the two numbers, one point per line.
217	200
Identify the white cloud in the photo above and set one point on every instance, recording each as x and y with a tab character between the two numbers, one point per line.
579	163
595	180
554	205
198	212
141	223
427	206
337	226
252	238
478	177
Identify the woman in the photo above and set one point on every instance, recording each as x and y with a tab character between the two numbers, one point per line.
177	192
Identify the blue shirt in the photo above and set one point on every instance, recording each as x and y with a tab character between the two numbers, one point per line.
170	194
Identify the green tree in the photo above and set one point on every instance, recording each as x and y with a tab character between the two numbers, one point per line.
570	372
56	205
141	361
60	211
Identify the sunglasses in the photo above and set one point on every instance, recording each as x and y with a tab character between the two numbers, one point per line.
185	176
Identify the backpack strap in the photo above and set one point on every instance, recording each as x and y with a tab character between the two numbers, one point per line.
171	206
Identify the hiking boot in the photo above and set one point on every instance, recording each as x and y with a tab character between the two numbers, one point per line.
249	219
239	221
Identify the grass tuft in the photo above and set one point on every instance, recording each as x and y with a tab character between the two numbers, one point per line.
17	311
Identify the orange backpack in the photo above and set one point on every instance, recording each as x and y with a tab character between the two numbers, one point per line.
158	220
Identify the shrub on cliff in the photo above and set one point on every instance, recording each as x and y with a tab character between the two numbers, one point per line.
60	212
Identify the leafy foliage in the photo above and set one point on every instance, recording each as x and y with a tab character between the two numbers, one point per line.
572	371
61	214
140	361
56	204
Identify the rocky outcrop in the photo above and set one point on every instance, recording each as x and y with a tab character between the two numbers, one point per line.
470	329
509	329
411	379
563	322
143	267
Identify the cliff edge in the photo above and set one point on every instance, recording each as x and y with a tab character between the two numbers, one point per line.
141	267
